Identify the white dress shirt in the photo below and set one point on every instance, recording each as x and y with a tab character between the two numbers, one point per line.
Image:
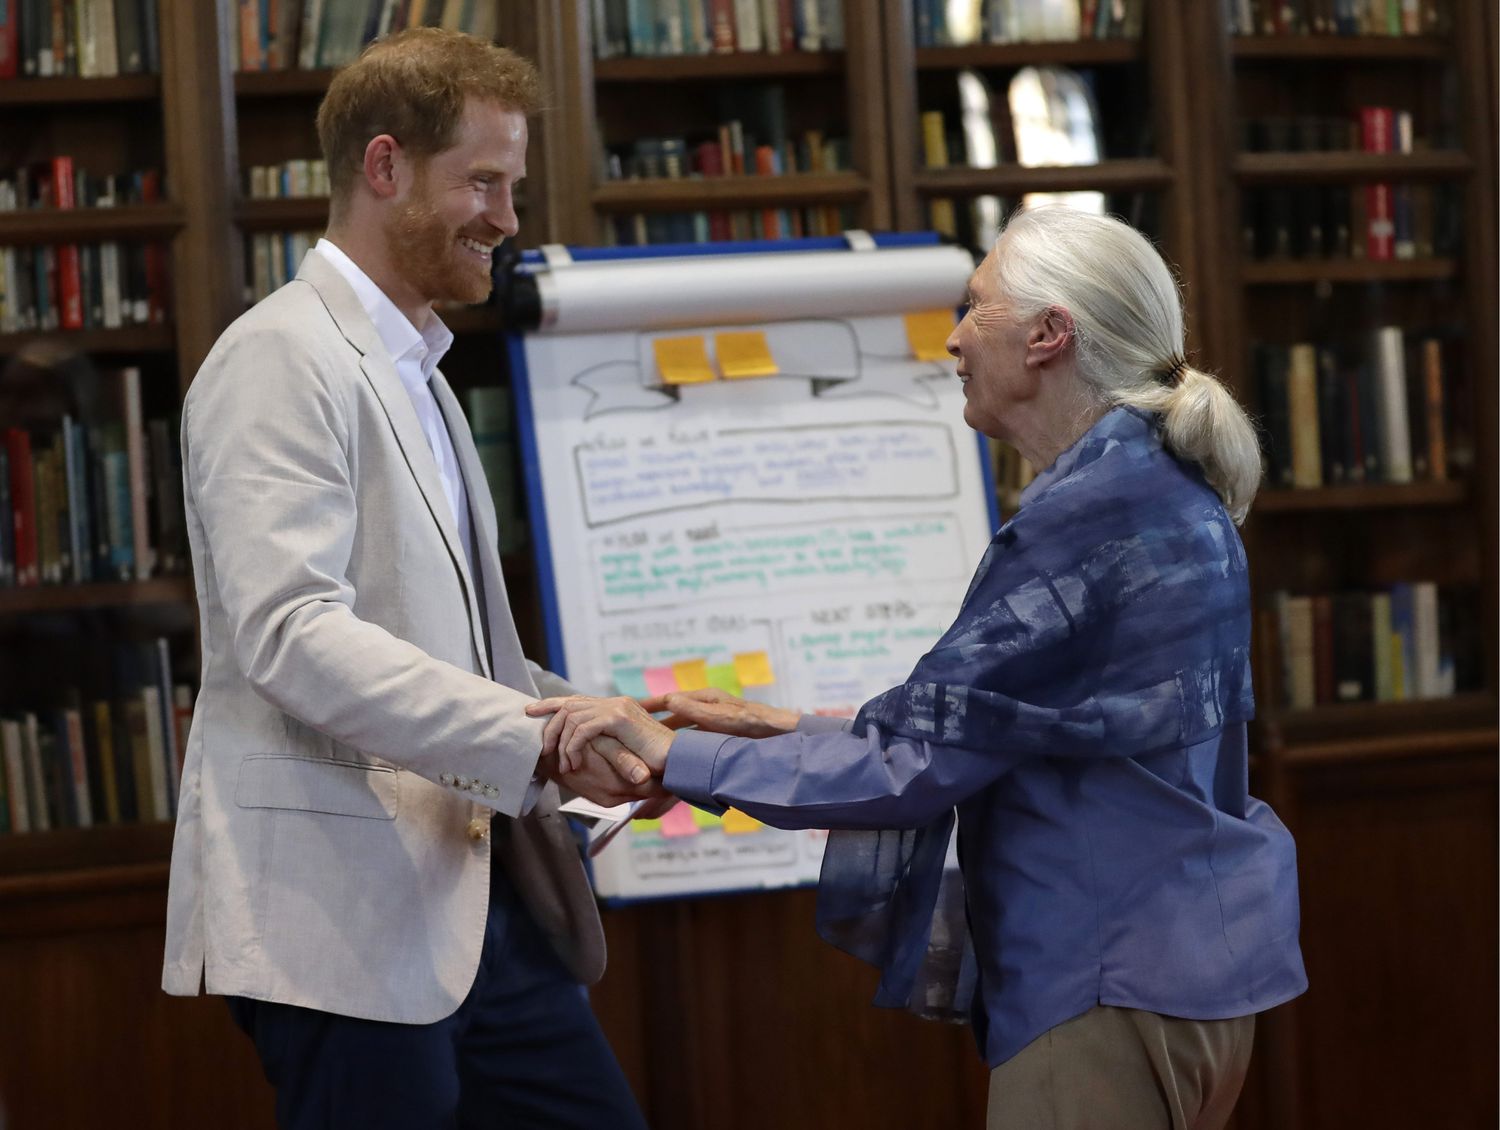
416	354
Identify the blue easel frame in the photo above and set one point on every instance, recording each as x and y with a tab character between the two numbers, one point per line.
526	419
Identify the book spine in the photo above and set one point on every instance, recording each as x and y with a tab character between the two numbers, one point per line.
1377	125
10	39
1395	436
83	807
747	32
722	22
1302	403
1425	640
104	733
1432	377
135	451
37	799
15	775
171	754
1381	646
23	506
156	757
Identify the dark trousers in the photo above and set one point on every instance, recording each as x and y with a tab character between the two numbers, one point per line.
523	1050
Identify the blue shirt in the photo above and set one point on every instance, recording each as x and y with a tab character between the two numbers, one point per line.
1149	880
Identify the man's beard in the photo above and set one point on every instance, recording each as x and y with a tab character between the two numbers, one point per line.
428	256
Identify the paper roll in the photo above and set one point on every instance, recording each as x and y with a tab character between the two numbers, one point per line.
658	294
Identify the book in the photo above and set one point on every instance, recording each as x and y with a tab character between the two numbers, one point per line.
1302	401
14	767
1377	128
1391	404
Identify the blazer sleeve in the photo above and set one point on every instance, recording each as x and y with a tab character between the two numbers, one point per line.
266	449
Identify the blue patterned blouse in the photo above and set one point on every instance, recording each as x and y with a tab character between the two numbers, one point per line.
1085	716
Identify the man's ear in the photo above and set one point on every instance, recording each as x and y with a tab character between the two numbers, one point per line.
1050	336
383	158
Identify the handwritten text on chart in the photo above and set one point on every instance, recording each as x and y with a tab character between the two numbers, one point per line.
689	468
640	571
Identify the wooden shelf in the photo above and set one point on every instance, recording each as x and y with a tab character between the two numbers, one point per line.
281	84
1407	747
738	66
85	225
55	91
1079	53
1262	168
61	860
111	594
727	192
1013	180
1372	496
1291	48
287	213
1362	721
1295	272
127	339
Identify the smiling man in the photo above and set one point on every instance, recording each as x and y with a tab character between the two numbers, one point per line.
368	860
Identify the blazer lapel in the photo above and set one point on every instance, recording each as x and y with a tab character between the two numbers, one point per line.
506	655
380	371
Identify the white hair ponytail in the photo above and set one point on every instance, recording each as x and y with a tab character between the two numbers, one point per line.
1127	317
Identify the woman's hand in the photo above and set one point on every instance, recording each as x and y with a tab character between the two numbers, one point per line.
577	720
722	713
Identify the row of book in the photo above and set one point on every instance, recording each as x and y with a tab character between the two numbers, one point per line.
945	23
82	286
59	183
86	38
87	286
1319	133
646	28
111	759
274	258
300	177
1410	641
278	35
1376	415
1336	17
718	225
735	152
93	500
1335	222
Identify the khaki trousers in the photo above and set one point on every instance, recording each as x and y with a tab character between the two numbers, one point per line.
1123	1069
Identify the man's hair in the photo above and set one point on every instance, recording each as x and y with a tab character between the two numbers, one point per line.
413	85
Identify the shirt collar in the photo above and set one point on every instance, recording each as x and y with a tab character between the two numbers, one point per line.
402	340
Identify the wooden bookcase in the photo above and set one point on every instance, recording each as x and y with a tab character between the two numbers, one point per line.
1392	804
622	99
728	1012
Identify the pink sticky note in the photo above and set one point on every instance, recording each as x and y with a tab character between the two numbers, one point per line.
679	821
661	680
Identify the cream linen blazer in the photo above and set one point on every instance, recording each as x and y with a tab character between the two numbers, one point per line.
349	725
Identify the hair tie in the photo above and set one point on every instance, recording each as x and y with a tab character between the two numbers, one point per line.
1175	369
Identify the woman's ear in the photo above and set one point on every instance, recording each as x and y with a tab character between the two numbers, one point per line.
1050	336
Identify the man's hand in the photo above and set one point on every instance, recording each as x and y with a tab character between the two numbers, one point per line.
722	713
578	721
601	776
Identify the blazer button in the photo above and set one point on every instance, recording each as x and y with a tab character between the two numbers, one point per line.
445	778
478	829
461	782
492	792
476	786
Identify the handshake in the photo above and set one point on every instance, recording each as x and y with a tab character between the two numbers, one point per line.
612	750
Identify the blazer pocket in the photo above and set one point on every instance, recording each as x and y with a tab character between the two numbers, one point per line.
317	784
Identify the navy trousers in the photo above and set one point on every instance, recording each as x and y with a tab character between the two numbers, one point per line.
523	1050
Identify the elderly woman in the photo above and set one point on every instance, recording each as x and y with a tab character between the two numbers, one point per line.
1130	906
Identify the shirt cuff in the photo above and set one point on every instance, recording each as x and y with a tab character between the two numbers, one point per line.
533	794
690	766
822	724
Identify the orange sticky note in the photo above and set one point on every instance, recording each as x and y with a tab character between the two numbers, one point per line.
753	669
736	823
682	360
927	333
691	675
744	353
679	821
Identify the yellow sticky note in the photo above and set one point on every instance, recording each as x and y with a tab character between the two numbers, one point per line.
645	827
927	332
722	676
706	819
753	669
682	360
691	675
736	823
744	353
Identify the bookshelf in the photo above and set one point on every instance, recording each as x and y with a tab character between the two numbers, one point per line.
1382	796
617	102
1391	802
